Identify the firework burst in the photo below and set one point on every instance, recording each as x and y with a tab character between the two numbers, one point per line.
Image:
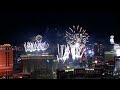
76	39
37	45
76	34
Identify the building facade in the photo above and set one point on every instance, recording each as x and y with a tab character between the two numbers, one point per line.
81	73
109	56
99	49
39	66
6	61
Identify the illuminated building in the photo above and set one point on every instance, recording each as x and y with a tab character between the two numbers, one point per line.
99	49
98	60
39	66
109	56
6	61
82	73
117	58
37	62
90	50
116	51
17	65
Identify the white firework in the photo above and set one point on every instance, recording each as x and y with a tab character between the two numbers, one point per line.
38	38
76	39
38	45
76	34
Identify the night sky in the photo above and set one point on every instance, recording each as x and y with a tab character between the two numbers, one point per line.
18	26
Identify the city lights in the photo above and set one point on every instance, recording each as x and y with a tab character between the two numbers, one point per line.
89	68
89	52
96	61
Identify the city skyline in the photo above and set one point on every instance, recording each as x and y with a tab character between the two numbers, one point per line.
60	40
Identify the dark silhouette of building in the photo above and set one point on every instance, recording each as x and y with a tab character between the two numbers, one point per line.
82	73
